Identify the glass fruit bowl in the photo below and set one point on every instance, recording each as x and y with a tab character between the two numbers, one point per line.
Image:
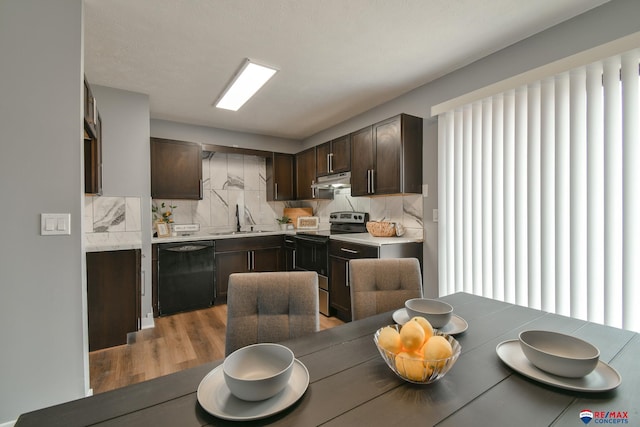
414	369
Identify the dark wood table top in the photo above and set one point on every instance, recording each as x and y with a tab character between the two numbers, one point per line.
351	385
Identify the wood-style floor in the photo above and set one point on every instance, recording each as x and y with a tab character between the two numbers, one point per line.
176	342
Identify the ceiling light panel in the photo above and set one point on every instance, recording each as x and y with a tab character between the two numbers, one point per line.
246	83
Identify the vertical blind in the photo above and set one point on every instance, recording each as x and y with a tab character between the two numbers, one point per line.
539	194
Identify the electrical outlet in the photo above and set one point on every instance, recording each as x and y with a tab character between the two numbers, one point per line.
435	215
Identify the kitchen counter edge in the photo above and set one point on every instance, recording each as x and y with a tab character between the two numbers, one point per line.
361	238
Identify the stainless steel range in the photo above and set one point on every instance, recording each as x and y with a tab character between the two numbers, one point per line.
312	249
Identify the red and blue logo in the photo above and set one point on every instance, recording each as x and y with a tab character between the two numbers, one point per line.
604	417
586	416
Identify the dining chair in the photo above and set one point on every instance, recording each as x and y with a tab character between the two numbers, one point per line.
382	284
270	307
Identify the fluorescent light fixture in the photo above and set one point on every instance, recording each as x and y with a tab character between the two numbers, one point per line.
245	84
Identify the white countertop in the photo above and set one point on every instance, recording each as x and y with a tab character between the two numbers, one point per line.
104	247
361	238
103	242
205	235
100	242
368	239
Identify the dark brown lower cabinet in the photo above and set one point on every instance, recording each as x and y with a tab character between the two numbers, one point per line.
340	253
242	255
113	297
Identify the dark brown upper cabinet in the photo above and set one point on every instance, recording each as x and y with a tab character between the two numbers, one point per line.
92	143
176	169
305	173
280	177
387	157
334	156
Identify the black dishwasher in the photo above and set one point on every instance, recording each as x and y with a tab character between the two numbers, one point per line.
186	274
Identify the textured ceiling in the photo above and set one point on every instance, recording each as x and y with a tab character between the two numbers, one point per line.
337	58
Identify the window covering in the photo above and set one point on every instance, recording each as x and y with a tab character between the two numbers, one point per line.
539	194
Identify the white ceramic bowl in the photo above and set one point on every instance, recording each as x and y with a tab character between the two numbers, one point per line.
559	354
424	371
258	371
437	312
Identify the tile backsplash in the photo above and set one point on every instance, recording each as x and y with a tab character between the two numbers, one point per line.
112	219
233	179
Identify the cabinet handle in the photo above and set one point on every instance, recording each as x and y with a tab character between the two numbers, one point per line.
249	260
368	181
330	162
294	259
351	251
313	190
373	187
276	191
346	273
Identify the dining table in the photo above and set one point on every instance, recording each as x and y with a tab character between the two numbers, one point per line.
349	384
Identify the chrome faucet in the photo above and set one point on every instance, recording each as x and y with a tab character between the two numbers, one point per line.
237	219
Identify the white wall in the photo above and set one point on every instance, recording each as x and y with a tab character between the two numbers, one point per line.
208	135
126	167
43	357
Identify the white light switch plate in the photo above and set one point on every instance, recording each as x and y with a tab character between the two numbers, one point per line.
55	224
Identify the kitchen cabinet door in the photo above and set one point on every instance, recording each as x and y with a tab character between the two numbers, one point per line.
339	293
93	159
90	110
334	156
92	144
243	255
280	173
289	253
176	169
341	154
339	288
362	161
113	297
387	157
323	151
305	173
267	260
226	264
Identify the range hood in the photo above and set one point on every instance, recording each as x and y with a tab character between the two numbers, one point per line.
338	180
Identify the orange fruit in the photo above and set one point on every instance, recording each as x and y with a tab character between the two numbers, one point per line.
410	366
435	350
428	329
412	336
389	339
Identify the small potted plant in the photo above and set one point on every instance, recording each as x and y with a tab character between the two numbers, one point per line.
283	221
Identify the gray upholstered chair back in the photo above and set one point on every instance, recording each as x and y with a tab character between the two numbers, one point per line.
270	307
379	285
